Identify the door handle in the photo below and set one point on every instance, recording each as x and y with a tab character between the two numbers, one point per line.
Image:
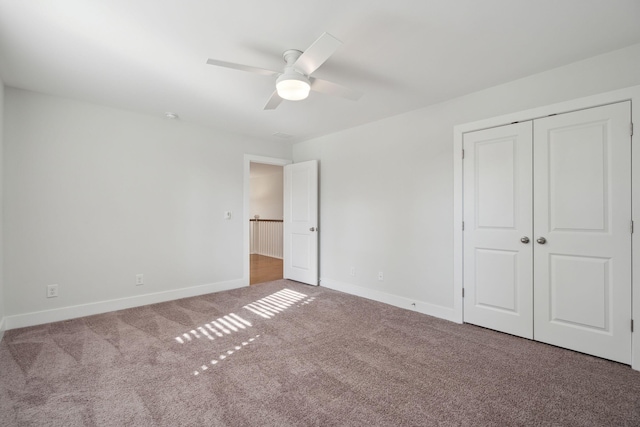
312	229
541	240
524	239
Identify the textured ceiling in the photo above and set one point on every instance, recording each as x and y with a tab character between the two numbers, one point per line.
150	56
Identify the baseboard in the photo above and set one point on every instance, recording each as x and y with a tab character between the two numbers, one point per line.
397	301
2	323
269	256
72	312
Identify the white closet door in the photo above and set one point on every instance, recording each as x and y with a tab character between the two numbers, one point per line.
582	208
497	215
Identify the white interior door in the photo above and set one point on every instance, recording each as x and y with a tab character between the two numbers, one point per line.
582	210
301	222
497	224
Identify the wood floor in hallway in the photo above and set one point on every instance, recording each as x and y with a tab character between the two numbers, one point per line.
264	269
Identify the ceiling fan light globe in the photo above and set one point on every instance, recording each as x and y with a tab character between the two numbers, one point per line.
293	88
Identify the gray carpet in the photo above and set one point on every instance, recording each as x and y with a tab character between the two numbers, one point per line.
284	354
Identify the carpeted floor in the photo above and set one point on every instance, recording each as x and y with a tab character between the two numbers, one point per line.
285	354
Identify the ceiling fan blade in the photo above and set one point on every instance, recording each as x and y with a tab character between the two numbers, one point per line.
321	49
241	67
330	88
273	102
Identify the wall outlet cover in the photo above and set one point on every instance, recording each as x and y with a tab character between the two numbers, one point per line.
52	291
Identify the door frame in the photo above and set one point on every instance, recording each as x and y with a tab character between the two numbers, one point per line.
246	199
628	94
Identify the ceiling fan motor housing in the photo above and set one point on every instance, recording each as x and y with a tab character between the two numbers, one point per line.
292	85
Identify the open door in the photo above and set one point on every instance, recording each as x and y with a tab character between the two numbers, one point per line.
301	222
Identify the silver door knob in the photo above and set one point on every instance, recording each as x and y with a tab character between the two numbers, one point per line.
541	240
524	239
312	229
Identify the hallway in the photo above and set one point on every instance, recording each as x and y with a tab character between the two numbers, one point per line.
264	269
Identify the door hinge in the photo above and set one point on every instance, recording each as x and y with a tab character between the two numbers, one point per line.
631	227
463	154
631	319
631	128
462	225
463	297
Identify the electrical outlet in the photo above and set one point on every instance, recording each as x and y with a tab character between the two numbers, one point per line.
352	271
380	275
52	291
139	279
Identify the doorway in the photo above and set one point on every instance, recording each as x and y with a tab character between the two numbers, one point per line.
300	211
265	222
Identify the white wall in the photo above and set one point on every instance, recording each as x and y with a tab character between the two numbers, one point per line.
2	305
267	195
95	195
387	187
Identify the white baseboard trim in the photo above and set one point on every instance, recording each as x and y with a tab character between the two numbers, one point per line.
72	312
397	301
270	256
2	324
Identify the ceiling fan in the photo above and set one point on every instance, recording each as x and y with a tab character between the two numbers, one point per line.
295	82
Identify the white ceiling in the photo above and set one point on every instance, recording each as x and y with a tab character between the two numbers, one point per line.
150	55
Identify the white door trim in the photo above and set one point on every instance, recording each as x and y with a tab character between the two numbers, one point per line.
248	158
633	94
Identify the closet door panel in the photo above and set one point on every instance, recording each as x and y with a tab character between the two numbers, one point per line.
582	210
497	215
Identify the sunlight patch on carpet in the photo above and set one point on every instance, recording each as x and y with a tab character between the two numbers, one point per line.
275	303
266	307
224	355
220	327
